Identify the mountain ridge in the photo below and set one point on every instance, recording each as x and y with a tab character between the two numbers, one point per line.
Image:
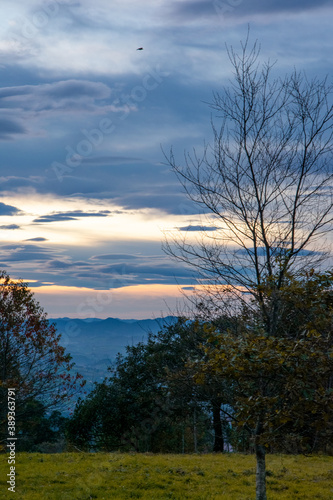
94	343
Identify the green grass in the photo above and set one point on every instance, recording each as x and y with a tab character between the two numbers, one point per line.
84	476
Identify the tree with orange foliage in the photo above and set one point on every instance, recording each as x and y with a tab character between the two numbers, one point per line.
32	361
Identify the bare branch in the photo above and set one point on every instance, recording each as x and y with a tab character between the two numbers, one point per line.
265	182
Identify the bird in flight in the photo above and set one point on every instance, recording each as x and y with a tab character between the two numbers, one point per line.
140	48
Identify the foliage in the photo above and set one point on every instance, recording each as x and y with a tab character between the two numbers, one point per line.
304	303
150	402
200	477
273	391
38	431
279	385
31	358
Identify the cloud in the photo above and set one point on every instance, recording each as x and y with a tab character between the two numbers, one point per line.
110	160
26	255
58	264
10	127
10	226
115	256
8	209
25	252
65	101
148	271
197	228
39	238
261	251
192	9
66	264
76	89
170	200
62	96
197	9
71	215
272	6
130	184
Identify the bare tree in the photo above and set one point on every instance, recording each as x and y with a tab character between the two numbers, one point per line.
265	188
265	185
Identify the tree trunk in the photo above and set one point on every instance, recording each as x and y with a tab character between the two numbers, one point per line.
261	473
217	425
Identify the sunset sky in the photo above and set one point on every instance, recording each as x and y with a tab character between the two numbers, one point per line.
86	193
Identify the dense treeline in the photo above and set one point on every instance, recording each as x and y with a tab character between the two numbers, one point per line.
152	402
203	386
200	386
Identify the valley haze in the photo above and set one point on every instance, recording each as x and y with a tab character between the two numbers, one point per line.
95	343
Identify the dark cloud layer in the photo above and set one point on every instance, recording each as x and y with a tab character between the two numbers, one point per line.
71	215
197	228
24	256
10	127
132	186
39	238
114	256
8	209
10	226
33	109
110	160
125	269
188	10
150	270
65	95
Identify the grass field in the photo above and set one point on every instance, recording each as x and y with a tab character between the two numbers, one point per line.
71	476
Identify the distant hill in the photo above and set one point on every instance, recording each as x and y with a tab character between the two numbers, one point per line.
94	343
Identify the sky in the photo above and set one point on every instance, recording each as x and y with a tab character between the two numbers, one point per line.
86	120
